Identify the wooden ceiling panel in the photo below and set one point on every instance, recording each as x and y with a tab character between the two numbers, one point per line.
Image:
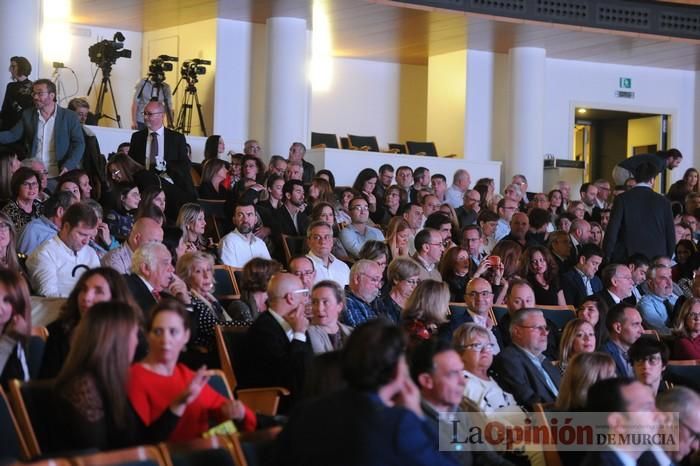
382	30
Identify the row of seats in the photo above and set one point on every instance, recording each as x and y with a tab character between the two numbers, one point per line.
369	143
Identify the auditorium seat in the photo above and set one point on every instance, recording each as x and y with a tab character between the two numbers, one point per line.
422	148
363	142
327	140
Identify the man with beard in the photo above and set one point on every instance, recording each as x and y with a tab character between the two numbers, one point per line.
241	245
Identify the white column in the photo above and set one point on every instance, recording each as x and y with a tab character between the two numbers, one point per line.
526	109
20	26
286	102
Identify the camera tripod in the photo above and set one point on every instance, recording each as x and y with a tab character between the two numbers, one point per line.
158	86
184	117
105	86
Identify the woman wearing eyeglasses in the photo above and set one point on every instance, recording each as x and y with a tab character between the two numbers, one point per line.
24	205
325	332
403	274
687	331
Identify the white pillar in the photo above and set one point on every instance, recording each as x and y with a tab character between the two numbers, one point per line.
526	109
286	102
20	26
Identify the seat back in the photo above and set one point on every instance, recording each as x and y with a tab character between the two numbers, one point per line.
559	315
257	446
293	246
422	148
686	376
364	141
218	449
400	148
551	455
327	139
213	207
12	445
344	143
226	286
32	403
218	381
35	354
141	456
230	341
499	312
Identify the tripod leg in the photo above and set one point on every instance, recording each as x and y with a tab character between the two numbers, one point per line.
199	113
100	101
114	103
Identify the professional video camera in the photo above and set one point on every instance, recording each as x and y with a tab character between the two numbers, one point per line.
105	52
158	67
193	68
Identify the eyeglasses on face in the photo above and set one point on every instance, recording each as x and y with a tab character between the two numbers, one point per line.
150	114
478	347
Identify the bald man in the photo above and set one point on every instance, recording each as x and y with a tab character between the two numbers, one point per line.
278	351
164	154
144	230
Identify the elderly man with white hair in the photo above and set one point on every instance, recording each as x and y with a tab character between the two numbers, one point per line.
361	293
152	277
460	183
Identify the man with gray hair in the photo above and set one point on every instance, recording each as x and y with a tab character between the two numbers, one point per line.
686	403
656	307
48	225
328	267
429	249
460	183
522	369
56	265
144	230
296	154
361	292
152	277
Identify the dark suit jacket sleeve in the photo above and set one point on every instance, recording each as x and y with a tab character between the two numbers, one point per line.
512	376
178	164
670	228
572	293
13	134
137	147
614	225
73	131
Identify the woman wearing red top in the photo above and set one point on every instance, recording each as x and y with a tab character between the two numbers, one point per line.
159	382
687	331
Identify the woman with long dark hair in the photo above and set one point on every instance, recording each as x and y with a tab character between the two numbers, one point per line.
15	326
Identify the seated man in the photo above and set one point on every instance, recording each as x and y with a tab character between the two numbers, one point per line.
479	300
152	277
290	217
377	420
686	403
617	283
649	358
278	351
144	230
656	307
361	292
328	267
56	265
241	245
429	249
48	225
624	325
522	369
581	280
468	212
355	235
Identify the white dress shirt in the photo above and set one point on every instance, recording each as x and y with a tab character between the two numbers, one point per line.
291	334
45	143
160	157
336	270
235	249
52	267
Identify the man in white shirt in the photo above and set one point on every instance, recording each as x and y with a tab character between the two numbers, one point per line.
241	245
460	183
328	267
56	265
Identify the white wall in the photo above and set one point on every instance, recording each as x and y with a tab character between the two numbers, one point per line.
387	100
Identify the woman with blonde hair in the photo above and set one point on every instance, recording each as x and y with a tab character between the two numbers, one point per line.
577	337
583	370
687	331
319	191
426	310
403	276
8	244
192	222
398	235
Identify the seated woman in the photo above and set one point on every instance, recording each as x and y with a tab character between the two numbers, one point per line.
215	176
81	179
537	265
325	332
342	207
158	382
398	235
324	211
584	370
94	286
24	205
426	310
174	240
121	169
92	408
592	312
15	326
403	275
577	337
151	196
389	207
192	222
555	203
120	219
686	263
215	148
454	268
319	191
577	209
8	244
365	183
9	164
687	331
256	273
597	234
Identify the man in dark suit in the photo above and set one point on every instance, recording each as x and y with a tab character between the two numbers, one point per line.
478	298
641	221
624	325
631	406
152	277
164	154
278	350
579	234
617	286
290	217
581	280
522	369
69	143
376	421
296	154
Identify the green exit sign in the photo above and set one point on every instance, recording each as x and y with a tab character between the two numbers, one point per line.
625	83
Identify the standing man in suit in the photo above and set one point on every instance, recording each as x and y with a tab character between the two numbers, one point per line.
641	221
521	368
50	133
581	280
278	350
631	409
164	154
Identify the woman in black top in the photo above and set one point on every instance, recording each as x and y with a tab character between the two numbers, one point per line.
18	93
538	266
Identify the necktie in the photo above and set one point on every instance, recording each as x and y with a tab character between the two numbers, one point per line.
154	151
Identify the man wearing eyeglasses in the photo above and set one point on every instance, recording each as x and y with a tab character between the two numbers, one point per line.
649	358
328	267
163	153
522	369
278	348
478	298
361	293
355	235
429	249
686	403
656	307
50	133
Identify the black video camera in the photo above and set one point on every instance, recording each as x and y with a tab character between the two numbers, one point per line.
193	68
158	67
105	52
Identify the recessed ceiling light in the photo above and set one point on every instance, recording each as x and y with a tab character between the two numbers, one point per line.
581	111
